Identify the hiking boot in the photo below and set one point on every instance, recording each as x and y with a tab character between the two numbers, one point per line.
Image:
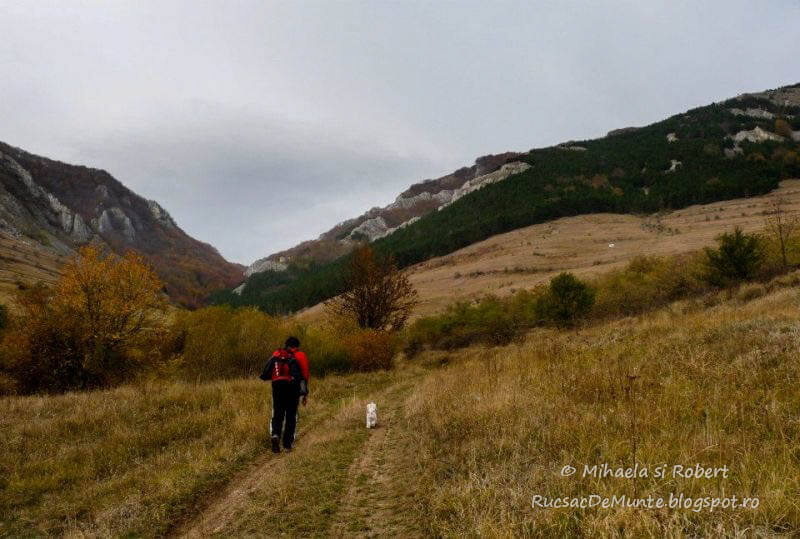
288	449
276	444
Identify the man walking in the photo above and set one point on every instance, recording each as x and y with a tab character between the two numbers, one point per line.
287	369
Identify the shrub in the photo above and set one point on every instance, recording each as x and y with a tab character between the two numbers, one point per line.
647	282
371	350
92	329
42	350
566	300
491	321
325	346
737	258
220	342
223	342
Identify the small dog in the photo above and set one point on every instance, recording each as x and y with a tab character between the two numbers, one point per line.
372	415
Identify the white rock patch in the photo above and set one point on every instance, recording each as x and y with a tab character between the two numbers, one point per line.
674	164
753	113
756	135
264	265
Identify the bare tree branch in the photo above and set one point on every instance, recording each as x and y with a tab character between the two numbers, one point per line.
379	296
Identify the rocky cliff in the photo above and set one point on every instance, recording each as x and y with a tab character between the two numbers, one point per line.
61	207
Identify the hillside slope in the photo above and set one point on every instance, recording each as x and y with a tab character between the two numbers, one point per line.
586	245
738	148
48	209
532	255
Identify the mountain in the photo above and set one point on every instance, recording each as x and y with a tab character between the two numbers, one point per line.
735	148
52	208
416	201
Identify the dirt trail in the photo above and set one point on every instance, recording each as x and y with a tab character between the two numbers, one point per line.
222	510
373	501
220	513
378	501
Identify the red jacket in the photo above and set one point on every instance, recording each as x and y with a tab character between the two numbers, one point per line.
303	361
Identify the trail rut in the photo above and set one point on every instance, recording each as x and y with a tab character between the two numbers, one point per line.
363	489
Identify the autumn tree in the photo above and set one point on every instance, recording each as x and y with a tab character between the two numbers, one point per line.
781	225
83	331
113	299
378	295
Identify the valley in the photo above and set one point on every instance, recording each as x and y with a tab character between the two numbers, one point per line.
457	450
514	216
399	269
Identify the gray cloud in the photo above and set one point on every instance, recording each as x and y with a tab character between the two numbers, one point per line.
262	124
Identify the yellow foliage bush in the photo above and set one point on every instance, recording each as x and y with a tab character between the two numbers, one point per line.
223	342
94	328
647	282
371	350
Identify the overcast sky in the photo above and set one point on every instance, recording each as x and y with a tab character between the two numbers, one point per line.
261	124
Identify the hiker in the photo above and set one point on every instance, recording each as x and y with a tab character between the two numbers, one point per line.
288	371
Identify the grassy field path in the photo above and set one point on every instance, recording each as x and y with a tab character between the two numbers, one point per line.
341	479
379	498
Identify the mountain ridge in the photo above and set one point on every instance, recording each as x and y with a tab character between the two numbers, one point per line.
347	234
738	147
417	200
61	206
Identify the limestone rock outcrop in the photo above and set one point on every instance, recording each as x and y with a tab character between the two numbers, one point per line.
61	207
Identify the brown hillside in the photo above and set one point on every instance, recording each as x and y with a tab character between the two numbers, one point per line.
532	255
23	263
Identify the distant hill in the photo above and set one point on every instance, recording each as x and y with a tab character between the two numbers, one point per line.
52	208
416	201
736	148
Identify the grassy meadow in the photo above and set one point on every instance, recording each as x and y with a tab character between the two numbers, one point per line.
478	419
473	435
137	459
687	384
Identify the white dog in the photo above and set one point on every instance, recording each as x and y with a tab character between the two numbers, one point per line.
372	415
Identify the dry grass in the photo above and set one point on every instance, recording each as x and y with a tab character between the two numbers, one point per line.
683	385
23	262
710	381
136	459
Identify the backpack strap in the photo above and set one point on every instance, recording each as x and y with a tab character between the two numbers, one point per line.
294	366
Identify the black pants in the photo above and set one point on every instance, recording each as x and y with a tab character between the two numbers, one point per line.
285	398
